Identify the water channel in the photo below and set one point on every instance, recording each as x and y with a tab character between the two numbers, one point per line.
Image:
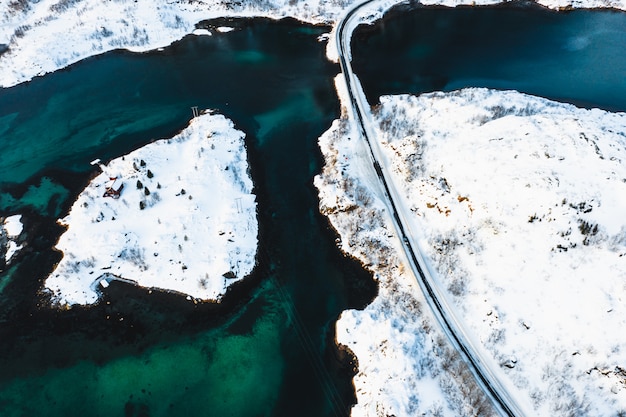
575	56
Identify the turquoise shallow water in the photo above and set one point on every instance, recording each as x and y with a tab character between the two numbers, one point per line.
269	349
211	371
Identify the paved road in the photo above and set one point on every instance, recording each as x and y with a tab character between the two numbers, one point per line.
482	368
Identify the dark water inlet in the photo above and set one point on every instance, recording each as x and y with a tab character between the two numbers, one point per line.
575	56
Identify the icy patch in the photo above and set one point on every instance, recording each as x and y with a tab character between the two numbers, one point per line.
184	220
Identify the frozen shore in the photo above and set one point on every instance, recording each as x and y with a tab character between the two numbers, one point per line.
519	201
185	220
30	32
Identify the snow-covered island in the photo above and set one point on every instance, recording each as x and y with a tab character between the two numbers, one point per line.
11	228
520	203
184	220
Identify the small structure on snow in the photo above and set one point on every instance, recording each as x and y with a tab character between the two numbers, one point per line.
113	188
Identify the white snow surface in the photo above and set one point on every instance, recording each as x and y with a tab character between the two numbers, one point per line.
521	205
13	227
520	202
12	248
46	35
405	365
198	220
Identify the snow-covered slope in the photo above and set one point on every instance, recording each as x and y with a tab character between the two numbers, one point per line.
520	202
185	220
45	35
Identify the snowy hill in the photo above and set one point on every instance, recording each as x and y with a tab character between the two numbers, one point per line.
185	219
520	203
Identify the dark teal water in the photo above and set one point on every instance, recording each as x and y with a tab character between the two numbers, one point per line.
268	350
576	56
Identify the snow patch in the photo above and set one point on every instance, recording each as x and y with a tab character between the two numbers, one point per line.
10	231
13	225
202	32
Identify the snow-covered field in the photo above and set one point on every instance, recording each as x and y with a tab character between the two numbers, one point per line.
41	36
406	365
185	220
520	203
